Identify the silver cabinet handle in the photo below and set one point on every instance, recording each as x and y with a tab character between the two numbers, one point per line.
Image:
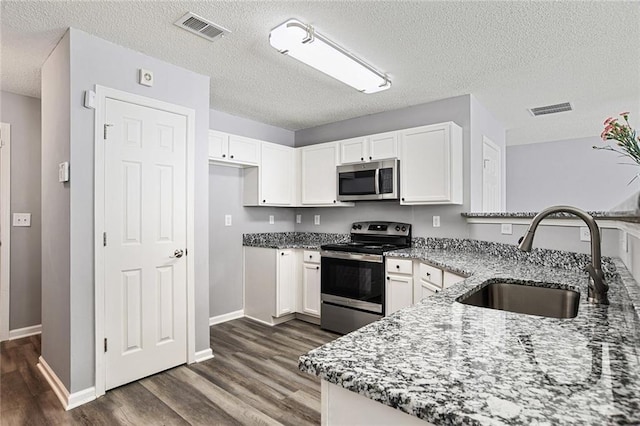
178	253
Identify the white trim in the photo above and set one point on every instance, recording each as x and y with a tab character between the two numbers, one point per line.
226	317
276	321
19	333
68	401
204	355
5	224
493	145
102	93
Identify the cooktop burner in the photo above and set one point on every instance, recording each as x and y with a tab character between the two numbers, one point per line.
375	238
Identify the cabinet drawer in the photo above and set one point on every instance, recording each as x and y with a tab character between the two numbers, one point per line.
431	274
311	256
399	266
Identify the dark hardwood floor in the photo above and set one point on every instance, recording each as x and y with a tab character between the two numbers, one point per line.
253	380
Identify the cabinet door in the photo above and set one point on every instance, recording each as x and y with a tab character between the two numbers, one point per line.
243	150
399	293
383	145
353	150
218	145
450	279
431	165
311	289
286	283
276	175
319	174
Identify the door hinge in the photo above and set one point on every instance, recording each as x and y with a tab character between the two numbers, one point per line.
105	130
104	239
105	344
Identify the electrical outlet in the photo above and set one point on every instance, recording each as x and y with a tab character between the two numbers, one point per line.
298	218
506	229
271	219
585	235
316	219
22	219
436	221
227	220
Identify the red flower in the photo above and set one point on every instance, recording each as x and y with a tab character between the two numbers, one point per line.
622	114
608	120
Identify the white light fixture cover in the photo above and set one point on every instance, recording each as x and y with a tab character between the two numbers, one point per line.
302	42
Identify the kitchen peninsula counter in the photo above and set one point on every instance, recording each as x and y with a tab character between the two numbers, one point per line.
292	240
449	363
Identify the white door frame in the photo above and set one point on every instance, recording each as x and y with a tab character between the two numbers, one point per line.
102	94
487	141
5	249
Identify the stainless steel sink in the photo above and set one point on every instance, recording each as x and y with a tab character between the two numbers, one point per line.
525	298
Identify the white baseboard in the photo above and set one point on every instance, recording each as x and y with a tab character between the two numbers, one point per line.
68	401
274	321
226	317
25	332
204	355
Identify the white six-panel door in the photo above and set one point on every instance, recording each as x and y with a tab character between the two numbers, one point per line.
145	223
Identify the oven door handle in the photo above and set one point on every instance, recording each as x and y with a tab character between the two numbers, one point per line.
362	257
377	181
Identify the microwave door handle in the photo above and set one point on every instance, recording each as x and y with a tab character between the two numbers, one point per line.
377	181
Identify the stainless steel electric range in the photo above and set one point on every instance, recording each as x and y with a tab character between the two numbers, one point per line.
352	275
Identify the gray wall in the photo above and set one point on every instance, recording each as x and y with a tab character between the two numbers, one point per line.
225	197
566	172
56	201
225	242
252	129
23	114
94	61
484	124
565	238
336	219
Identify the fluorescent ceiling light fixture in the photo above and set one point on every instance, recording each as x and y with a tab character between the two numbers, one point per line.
302	42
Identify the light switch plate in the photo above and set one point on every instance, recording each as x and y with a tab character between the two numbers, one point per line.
63	172
22	219
436	221
585	235
227	220
271	219
506	229
298	218
316	219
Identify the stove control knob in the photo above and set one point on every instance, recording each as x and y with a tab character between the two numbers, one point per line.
404	228
397	227
359	226
354	226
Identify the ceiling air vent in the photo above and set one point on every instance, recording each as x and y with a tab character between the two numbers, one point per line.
551	109
200	26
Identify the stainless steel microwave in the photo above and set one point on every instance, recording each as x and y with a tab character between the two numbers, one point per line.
377	180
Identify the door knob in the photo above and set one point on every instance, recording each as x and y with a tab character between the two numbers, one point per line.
178	253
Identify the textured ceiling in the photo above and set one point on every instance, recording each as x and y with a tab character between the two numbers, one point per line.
510	55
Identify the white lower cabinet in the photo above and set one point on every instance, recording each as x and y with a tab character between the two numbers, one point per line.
286	284
270	284
311	283
280	282
399	285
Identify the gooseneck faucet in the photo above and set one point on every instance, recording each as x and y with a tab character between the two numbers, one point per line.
598	288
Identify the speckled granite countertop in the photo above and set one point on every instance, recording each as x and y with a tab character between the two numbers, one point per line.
294	240
627	216
453	364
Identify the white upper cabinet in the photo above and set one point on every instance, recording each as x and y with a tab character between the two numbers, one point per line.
224	147
318	170
369	148
431	165
383	145
277	175
354	150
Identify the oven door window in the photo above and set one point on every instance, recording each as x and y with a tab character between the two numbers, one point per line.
353	279
362	182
